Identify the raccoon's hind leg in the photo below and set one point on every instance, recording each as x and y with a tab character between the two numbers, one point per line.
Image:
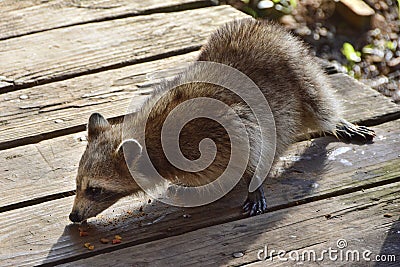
348	131
255	203
322	113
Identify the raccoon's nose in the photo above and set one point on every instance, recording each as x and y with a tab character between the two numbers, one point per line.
75	217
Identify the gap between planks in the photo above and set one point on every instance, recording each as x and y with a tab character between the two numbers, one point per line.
20	19
16	130
40	227
132	234
55	160
386	115
72	101
64	53
357	217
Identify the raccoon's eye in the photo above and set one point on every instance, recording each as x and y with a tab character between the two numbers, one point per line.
93	191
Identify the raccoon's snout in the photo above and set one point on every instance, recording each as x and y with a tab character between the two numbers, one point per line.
75	217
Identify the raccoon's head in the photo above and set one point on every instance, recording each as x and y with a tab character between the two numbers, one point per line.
103	176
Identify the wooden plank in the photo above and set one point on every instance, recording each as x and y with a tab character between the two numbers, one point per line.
70	102
30	16
355	218
54	162
30	173
39	229
66	52
29	115
363	104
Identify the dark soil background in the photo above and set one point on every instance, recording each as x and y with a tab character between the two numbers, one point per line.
323	26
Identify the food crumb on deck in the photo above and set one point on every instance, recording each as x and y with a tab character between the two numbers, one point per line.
104	240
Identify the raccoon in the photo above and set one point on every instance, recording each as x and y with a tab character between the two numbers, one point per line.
295	86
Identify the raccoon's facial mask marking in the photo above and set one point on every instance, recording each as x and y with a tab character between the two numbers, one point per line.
99	194
91	200
103	177
93	193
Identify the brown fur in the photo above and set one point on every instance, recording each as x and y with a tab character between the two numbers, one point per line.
297	90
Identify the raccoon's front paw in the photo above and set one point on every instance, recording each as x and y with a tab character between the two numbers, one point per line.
255	203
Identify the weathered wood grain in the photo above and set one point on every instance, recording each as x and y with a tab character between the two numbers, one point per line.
361	103
325	169
31	172
66	52
357	218
54	163
354	184
21	17
29	115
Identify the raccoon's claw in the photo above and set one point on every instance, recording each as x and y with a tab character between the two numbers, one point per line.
348	131
255	203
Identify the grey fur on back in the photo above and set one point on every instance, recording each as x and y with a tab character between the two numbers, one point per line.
296	87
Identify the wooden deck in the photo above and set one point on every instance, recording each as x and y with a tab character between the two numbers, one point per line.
62	60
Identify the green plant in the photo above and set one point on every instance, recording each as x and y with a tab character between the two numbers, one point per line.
350	53
390	45
352	57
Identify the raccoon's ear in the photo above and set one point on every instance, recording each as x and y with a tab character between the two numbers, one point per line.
130	149
97	124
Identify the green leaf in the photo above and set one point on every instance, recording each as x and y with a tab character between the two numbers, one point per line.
350	53
390	45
